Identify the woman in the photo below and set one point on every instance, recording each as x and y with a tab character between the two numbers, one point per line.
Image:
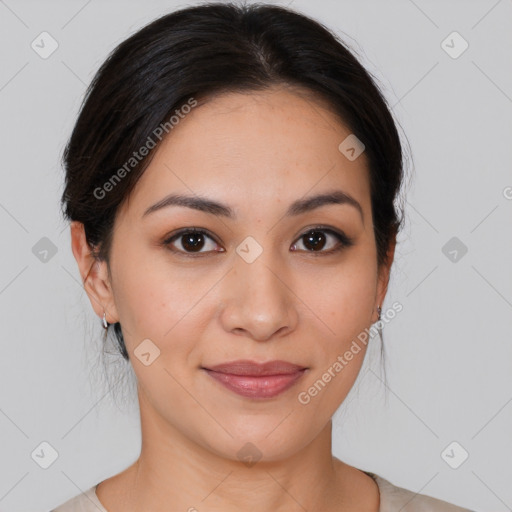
230	183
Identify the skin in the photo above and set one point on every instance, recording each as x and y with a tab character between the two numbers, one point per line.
256	153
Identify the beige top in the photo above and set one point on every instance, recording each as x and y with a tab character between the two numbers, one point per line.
392	499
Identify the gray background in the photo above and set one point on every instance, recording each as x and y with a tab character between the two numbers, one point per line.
449	352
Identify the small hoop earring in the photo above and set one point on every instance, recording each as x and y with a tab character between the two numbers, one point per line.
379	328
104	321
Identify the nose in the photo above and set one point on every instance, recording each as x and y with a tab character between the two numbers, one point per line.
258	299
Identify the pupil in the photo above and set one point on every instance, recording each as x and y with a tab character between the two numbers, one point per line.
189	242
316	239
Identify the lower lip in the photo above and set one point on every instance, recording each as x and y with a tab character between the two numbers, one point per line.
265	386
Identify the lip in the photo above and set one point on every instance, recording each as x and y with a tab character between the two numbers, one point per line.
256	380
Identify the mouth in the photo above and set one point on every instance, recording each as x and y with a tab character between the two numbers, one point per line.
256	380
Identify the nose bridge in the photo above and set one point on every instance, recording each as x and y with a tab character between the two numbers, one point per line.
259	302
261	277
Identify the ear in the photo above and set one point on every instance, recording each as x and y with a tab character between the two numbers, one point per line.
94	275
383	275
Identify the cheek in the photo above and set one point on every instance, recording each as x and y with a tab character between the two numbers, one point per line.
343	296
161	302
344	304
144	294
350	302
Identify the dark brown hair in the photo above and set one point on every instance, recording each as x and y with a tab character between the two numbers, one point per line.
202	51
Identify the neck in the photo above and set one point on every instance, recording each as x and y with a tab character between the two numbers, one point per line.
177	472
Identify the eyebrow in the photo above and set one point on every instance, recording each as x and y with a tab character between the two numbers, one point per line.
221	210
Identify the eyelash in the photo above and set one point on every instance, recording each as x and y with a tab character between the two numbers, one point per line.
344	241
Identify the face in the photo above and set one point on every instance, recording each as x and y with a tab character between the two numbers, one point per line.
259	280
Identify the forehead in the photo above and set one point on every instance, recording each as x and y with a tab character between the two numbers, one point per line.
247	149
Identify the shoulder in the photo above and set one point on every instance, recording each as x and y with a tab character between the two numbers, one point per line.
84	502
394	498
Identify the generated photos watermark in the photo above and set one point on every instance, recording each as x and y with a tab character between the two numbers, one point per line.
138	156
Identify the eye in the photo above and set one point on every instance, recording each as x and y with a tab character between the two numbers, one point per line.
317	238
191	240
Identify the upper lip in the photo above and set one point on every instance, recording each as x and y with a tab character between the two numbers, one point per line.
253	368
